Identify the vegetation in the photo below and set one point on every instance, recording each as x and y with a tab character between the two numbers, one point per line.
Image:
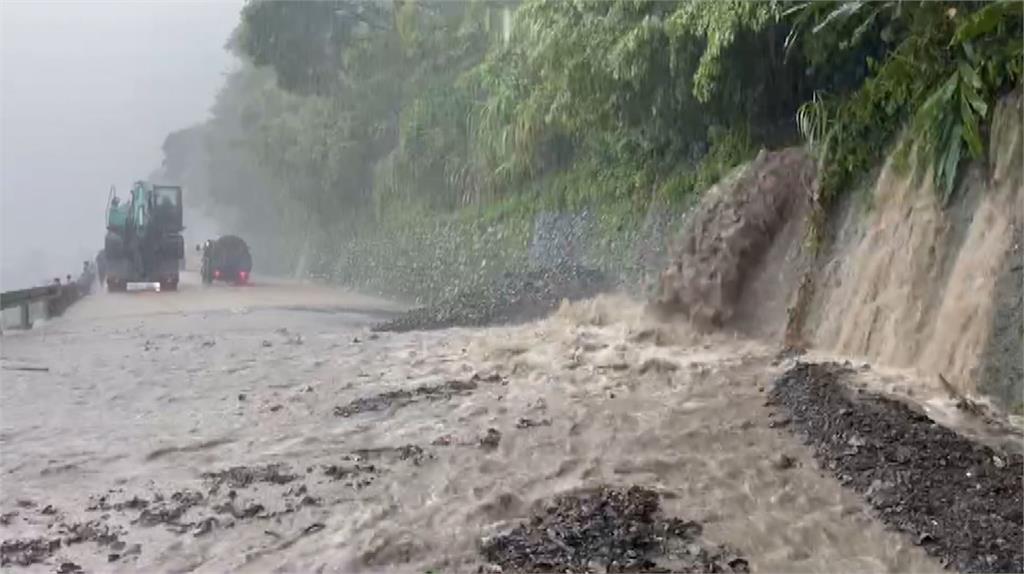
363	122
943	67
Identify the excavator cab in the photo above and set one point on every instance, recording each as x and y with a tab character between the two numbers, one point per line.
117	212
167	208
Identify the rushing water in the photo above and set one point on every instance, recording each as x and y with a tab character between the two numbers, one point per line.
600	393
401	452
913	283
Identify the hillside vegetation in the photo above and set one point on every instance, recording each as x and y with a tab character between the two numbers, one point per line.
385	137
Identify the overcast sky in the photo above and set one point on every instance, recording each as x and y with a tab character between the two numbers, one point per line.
88	91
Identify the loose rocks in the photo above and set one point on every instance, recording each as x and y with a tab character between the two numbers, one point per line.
243	476
512	298
401	397
962	501
27	552
606	529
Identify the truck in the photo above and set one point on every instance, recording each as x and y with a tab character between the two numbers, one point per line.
144	241
226	259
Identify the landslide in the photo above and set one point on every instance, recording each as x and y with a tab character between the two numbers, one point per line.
721	253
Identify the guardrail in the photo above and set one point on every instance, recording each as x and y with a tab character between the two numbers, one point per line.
57	297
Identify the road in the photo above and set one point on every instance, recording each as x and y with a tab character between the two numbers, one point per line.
265	428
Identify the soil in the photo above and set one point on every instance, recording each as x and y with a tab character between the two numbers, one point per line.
960	500
513	298
607	530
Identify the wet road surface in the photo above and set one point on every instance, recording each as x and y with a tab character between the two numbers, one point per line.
265	428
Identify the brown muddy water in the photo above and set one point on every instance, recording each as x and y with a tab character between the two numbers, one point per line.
262	436
232	430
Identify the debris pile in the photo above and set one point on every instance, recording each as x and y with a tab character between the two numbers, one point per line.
962	501
513	298
607	530
402	397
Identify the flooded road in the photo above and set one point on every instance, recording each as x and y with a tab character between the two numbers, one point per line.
266	429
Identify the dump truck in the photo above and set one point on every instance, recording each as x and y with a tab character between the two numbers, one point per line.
144	242
226	259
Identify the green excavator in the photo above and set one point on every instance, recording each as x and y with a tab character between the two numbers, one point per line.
144	242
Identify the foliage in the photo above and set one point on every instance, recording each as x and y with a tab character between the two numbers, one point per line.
946	65
364	127
630	82
719	23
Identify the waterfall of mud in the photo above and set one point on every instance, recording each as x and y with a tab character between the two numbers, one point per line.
731	267
907	283
910	284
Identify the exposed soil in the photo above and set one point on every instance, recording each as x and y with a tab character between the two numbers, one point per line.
607	530
513	298
960	500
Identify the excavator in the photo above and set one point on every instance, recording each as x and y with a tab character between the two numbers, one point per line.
144	242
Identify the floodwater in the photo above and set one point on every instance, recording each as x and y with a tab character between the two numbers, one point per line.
145	393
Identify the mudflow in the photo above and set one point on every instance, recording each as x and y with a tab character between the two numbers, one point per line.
269	428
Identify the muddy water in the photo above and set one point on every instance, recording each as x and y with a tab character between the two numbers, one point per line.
913	282
135	410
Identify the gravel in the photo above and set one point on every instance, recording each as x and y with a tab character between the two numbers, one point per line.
514	298
960	500
607	530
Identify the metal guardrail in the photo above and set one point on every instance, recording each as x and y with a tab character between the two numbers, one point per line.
57	297
10	299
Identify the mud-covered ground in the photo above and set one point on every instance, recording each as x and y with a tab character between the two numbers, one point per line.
513	298
269	429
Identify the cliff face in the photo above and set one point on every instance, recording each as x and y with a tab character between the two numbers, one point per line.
904	281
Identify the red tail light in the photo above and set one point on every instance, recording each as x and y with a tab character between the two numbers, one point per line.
216	273
243	276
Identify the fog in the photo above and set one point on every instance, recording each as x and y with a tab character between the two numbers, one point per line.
89	90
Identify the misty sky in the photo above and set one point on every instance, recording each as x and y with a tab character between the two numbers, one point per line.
88	91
